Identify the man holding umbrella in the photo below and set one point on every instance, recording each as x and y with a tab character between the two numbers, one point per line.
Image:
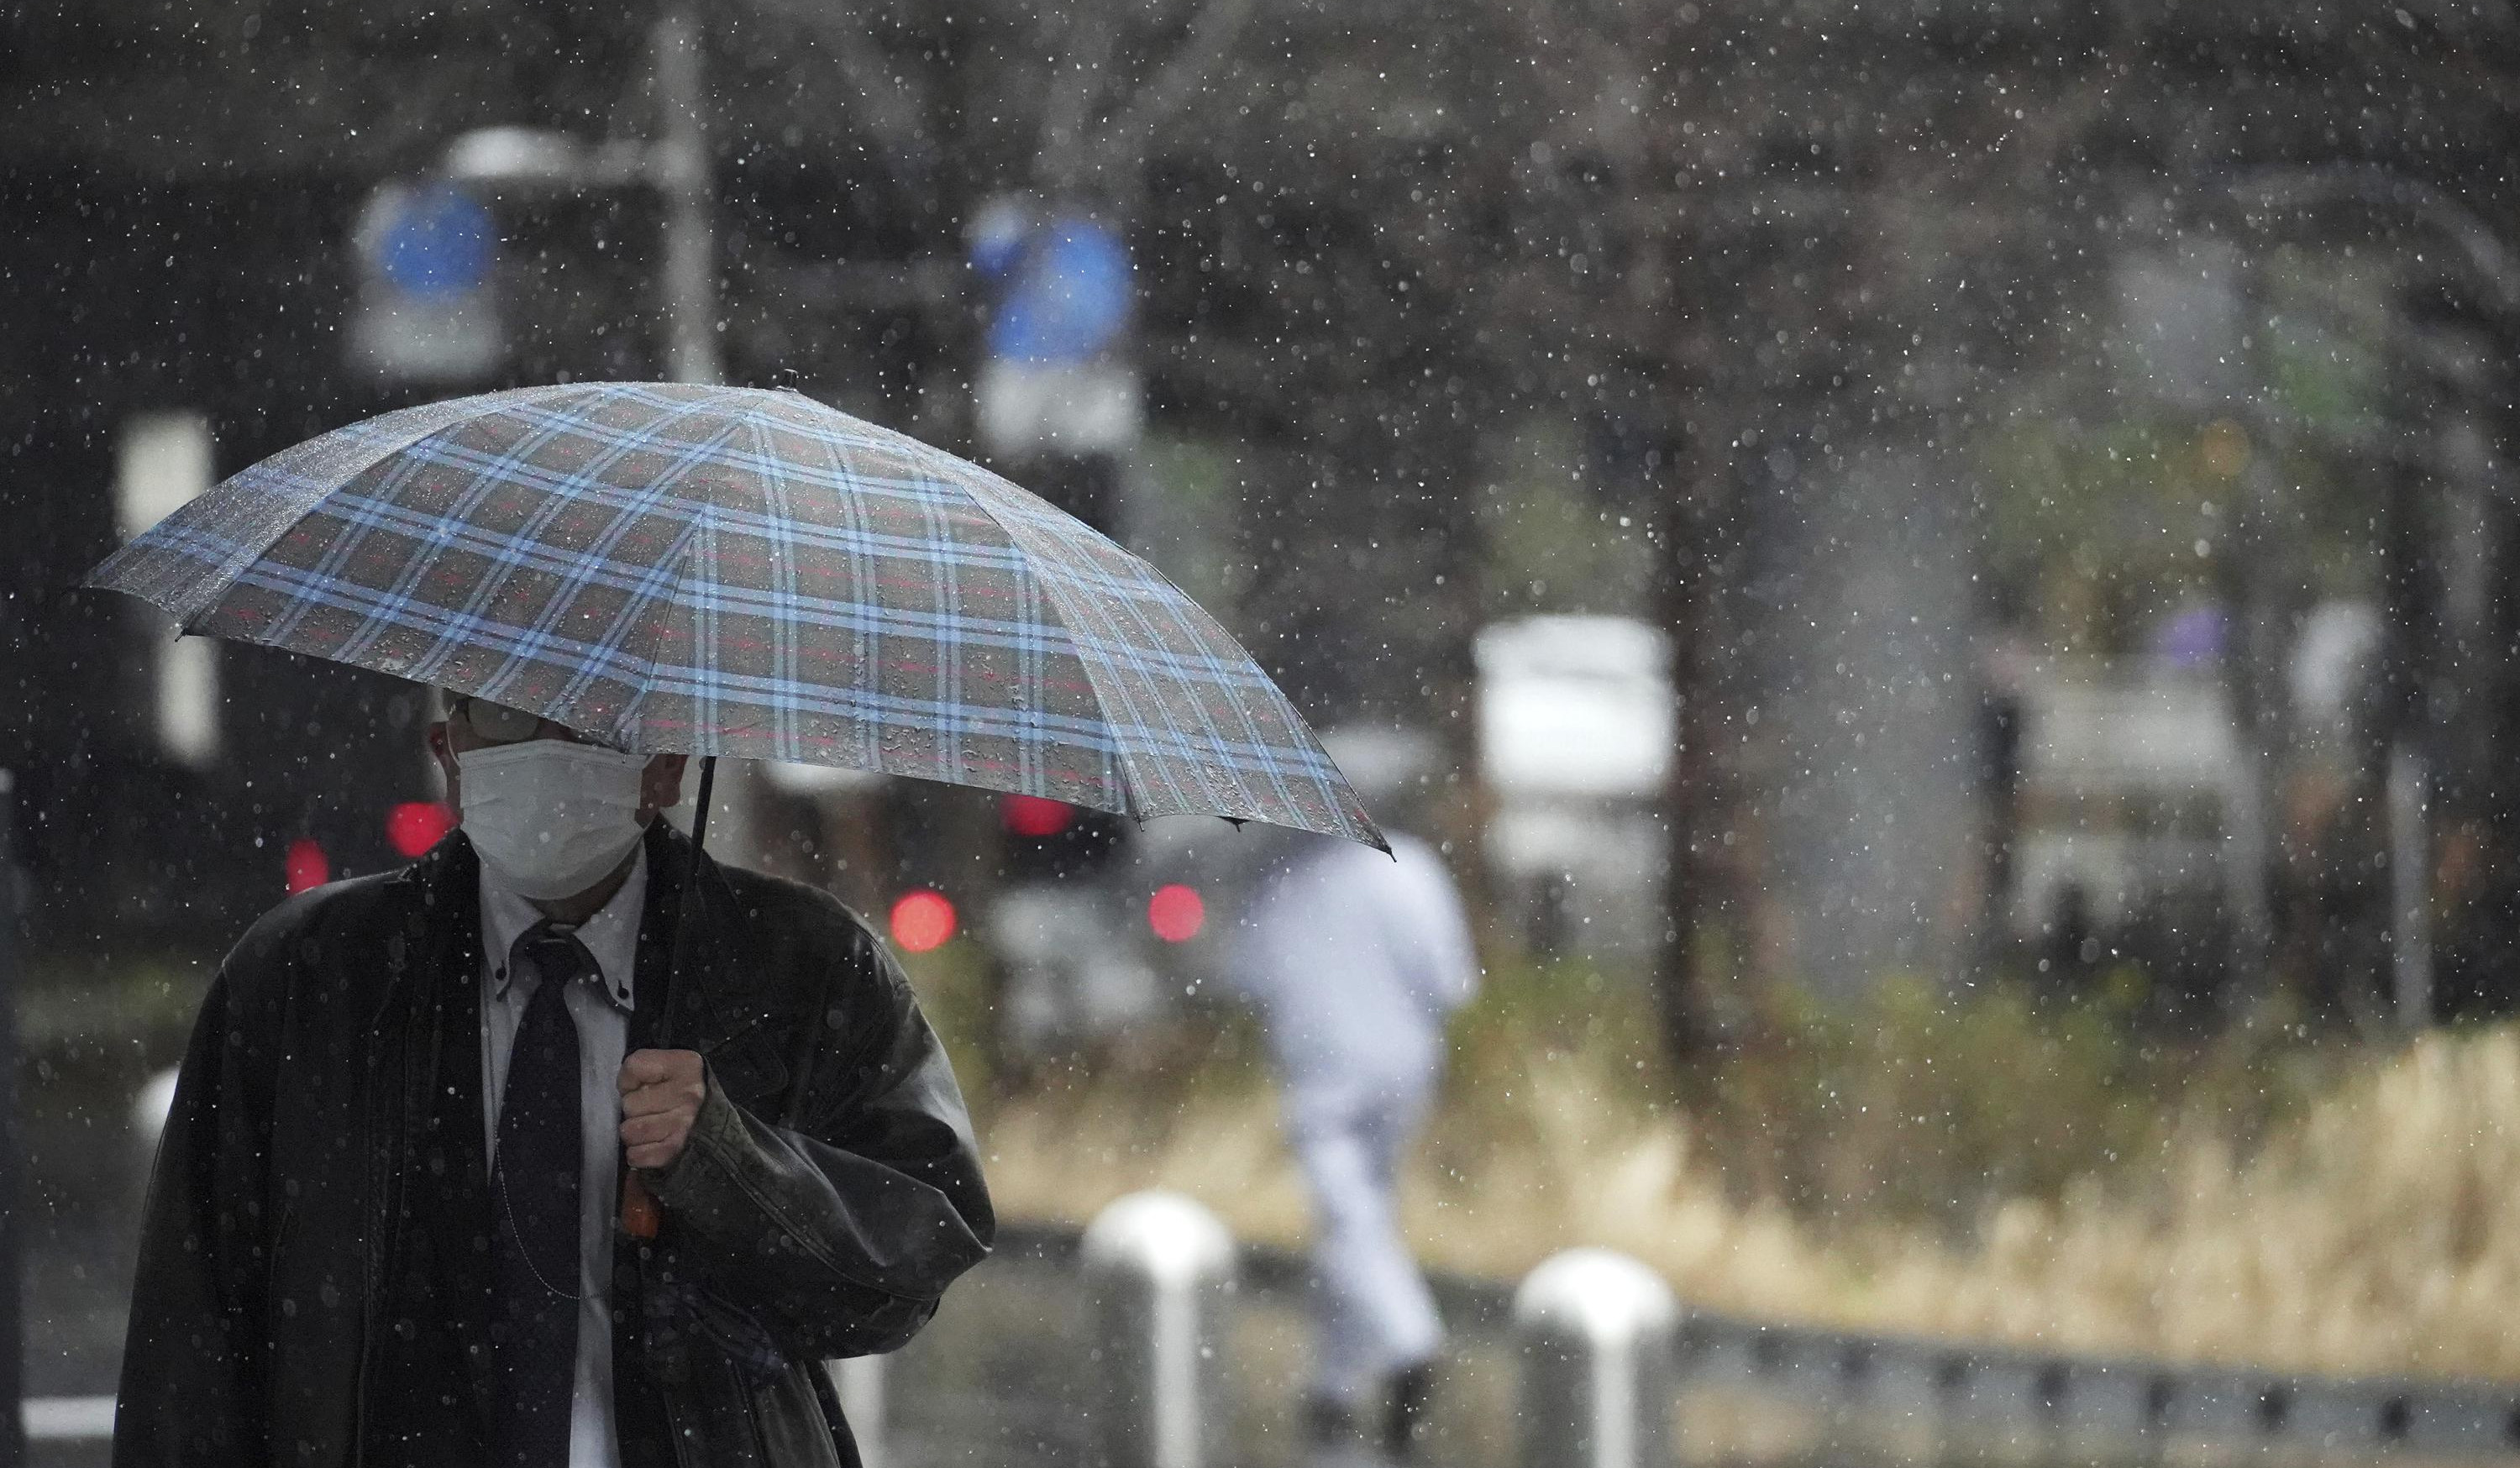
384	1228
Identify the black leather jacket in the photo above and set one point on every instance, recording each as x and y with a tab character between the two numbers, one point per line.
313	1275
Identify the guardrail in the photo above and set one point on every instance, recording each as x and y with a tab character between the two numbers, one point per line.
1611	1363
1610	1358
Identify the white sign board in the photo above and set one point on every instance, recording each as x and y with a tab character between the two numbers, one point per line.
1575	706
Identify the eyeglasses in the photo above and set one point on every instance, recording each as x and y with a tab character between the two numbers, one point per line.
498	723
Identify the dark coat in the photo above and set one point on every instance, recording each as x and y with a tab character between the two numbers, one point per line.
314	1279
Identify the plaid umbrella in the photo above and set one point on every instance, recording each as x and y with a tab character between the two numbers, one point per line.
722	571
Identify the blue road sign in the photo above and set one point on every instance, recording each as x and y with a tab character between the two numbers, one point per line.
439	243
1066	292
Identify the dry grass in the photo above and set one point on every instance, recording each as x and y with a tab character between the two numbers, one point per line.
2283	1207
2377	1233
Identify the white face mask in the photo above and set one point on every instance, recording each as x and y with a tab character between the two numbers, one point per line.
550	818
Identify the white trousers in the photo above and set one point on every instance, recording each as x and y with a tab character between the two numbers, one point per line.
1374	1314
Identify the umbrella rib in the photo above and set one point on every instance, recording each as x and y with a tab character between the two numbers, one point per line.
855	538
1188	619
778	507
1132	804
1297	731
649	585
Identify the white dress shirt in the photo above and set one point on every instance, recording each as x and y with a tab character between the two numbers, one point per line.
600	1007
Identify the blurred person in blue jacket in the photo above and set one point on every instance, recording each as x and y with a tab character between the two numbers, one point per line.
1356	961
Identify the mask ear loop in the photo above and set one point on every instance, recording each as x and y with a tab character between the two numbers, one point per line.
641	1215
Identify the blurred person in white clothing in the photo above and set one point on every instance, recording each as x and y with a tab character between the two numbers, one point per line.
1356	961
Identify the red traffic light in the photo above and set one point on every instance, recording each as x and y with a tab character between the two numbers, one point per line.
307	865
415	825
1034	817
1175	912
921	920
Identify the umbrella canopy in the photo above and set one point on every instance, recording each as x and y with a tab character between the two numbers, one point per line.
729	572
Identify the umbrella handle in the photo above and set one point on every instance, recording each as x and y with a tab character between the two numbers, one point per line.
641	1215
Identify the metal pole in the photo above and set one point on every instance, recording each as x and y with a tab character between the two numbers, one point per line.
2251	648
13	1190
2410	937
680	161
2247	842
1597	1331
2410	603
1161	1271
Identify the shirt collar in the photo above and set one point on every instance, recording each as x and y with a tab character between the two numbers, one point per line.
611	935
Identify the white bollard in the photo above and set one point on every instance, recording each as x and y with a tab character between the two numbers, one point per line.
1161	1270
1597	1331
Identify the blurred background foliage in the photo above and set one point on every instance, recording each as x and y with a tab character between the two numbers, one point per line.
2017	1164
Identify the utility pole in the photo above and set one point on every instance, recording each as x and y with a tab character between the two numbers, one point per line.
2408	628
2251	646
679	166
13	1173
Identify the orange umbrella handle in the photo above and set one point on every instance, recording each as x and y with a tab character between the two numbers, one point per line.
640	1212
